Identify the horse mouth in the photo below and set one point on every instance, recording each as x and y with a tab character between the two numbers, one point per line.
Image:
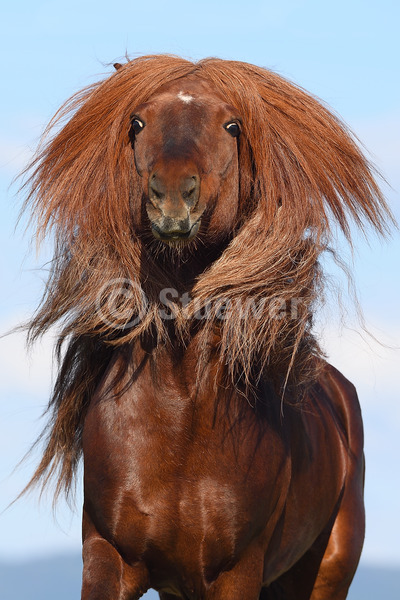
175	237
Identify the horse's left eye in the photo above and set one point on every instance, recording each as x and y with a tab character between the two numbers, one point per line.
233	128
137	125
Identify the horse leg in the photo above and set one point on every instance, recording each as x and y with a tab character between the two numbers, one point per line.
343	551
327	569
243	582
346	539
106	576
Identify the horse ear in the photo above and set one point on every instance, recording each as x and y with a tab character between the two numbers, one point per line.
117	66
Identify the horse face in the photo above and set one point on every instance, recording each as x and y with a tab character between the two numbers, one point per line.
185	142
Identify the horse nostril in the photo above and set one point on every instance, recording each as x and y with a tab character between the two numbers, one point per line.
156	188
156	193
190	189
189	193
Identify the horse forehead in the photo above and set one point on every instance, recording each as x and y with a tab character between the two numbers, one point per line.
185	110
184	114
192	86
186	97
190	95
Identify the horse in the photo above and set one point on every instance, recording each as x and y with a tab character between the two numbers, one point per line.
190	204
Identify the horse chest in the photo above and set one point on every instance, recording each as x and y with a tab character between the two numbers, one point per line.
181	480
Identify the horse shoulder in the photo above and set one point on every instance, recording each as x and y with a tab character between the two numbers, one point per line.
344	398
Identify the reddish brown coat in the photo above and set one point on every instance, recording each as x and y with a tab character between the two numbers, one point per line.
223	457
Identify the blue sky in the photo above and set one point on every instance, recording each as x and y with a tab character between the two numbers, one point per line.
345	52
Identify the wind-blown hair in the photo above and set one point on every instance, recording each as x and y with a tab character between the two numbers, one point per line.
300	174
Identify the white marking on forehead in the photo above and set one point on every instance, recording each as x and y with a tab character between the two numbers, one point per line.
186	98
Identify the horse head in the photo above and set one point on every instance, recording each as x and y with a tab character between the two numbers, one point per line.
185	143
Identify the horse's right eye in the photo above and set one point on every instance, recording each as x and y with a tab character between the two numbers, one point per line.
137	125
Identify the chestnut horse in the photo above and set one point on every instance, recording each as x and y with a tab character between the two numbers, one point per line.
223	457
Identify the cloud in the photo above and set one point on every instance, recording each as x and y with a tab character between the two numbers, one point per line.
14	156
23	371
372	365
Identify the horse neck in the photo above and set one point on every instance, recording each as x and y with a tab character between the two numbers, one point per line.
174	377
181	268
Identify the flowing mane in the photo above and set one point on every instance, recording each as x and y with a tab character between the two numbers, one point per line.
301	174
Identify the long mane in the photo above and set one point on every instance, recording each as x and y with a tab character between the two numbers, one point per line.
301	175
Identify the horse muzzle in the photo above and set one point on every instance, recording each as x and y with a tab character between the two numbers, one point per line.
173	207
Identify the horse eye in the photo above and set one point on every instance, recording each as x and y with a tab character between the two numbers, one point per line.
233	128
137	125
